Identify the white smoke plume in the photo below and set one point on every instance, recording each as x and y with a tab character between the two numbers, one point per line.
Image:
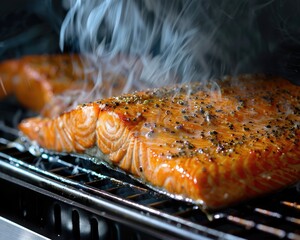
158	38
159	42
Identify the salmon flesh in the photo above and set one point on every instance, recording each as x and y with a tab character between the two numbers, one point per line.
212	146
37	80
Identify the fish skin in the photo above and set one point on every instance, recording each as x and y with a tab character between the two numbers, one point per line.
216	148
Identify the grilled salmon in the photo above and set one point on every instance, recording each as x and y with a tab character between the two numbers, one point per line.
8	69
38	81
213	146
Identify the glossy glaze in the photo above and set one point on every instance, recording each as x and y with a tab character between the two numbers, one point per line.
216	147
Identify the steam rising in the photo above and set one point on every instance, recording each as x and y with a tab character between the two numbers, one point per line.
159	39
156	43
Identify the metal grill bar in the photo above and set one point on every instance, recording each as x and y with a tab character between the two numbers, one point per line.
153	220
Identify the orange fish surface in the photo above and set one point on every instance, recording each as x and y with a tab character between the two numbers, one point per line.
216	147
37	80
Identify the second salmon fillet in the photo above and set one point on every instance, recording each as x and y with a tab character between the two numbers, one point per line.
213	147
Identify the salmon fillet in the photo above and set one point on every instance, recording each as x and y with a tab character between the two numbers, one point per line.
215	147
37	81
8	69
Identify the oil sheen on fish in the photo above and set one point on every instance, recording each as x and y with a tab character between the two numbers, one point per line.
214	147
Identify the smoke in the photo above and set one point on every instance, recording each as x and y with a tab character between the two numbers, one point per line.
164	38
157	42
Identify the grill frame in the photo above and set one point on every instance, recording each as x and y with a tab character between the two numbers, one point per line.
138	217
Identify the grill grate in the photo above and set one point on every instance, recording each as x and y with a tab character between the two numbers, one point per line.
121	199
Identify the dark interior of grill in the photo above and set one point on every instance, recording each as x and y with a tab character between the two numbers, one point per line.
67	197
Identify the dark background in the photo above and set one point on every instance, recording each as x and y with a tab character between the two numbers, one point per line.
29	27
272	41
